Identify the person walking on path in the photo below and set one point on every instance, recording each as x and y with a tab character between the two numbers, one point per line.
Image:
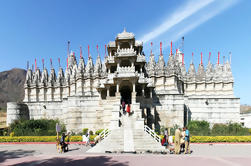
177	141
187	141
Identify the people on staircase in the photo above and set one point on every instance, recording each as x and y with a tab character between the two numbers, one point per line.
128	109
123	106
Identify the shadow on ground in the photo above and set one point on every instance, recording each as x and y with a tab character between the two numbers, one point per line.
14	154
92	161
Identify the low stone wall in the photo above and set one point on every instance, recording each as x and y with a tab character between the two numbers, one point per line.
213	110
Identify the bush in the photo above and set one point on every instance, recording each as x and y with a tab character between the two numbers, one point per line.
233	129
12	134
99	131
91	132
33	127
199	128
85	130
40	138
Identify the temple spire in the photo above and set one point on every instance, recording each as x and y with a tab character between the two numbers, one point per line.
161	48
105	50
97	50
209	57
28	66
88	51
171	50
151	48
35	64
59	62
67	62
218	58
192	58
43	63
201	58
51	63
68	48
81	52
182	58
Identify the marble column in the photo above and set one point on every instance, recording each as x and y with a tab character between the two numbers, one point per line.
153	118
108	91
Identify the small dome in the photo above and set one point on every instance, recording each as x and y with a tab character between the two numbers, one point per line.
125	35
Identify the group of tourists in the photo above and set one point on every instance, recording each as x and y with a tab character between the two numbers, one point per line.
181	141
126	108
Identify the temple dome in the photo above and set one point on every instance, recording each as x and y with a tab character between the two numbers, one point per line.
125	35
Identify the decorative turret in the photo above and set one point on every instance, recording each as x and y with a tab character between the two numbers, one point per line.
52	77
209	71
98	66
160	65
37	75
60	78
44	78
28	79
89	66
191	73
227	73
151	65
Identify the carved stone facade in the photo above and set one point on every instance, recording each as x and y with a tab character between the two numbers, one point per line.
161	94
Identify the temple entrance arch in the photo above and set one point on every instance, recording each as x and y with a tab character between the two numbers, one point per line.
126	91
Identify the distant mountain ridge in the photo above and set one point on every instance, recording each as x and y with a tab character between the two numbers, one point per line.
11	86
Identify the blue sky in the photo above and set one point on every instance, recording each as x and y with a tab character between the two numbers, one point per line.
32	29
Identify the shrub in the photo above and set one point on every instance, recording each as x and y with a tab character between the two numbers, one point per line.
12	134
91	132
229	129
199	128
41	138
85	130
33	127
99	131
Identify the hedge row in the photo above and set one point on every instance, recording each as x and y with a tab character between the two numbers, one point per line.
194	139
202	139
40	138
215	139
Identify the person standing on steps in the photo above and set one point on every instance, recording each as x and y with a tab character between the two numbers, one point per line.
187	141
128	109
177	141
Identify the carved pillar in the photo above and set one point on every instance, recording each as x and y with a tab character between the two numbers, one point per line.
108	91
151	92
117	89
153	118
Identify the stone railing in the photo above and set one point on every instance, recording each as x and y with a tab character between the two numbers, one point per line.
126	69
152	134
141	58
126	52
105	133
109	59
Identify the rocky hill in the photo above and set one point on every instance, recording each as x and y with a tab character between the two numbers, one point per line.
245	109
11	86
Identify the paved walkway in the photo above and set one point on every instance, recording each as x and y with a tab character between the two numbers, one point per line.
203	154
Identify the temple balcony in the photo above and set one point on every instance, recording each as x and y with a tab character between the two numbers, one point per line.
127	71
125	52
109	59
141	58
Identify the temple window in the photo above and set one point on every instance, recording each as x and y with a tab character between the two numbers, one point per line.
124	45
125	63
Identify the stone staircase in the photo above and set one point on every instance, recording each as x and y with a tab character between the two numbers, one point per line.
128	139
